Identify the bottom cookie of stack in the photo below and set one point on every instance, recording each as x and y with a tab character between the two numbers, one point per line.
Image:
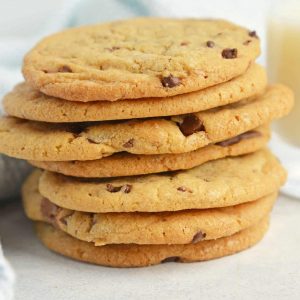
146	255
215	209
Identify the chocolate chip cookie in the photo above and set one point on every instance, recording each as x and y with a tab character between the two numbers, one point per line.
179	134
137	58
126	164
146	255
28	103
181	227
219	183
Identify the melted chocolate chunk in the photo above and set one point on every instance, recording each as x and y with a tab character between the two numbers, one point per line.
170	81
49	210
199	236
191	124
65	69
244	136
63	220
229	53
76	128
253	34
126	188
129	143
171	259
184	189
210	44
113	189
247	42
92	141
184	43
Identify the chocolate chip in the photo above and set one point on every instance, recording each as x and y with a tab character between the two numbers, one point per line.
191	124
210	44
171	259
91	141
112	48
247	42
76	128
199	236
64	69
63	220
113	189
129	144
126	188
229	142
250	134
184	189
94	219
49	210
184	43
253	34
170	81
229	53
234	140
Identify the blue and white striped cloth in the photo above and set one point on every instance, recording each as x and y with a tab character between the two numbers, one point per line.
7	279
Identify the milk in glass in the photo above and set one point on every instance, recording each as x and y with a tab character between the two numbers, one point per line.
284	61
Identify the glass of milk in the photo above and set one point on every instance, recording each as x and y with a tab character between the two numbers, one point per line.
283	63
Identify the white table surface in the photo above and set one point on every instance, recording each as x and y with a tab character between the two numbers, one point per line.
270	270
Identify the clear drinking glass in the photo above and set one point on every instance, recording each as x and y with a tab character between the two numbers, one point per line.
283	63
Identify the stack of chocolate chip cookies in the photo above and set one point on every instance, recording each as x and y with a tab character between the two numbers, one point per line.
149	137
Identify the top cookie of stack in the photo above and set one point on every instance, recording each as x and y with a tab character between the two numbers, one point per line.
146	57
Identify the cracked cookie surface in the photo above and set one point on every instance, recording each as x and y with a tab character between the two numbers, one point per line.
28	103
179	134
219	183
181	227
137	58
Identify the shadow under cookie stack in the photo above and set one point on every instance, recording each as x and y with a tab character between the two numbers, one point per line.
149	137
